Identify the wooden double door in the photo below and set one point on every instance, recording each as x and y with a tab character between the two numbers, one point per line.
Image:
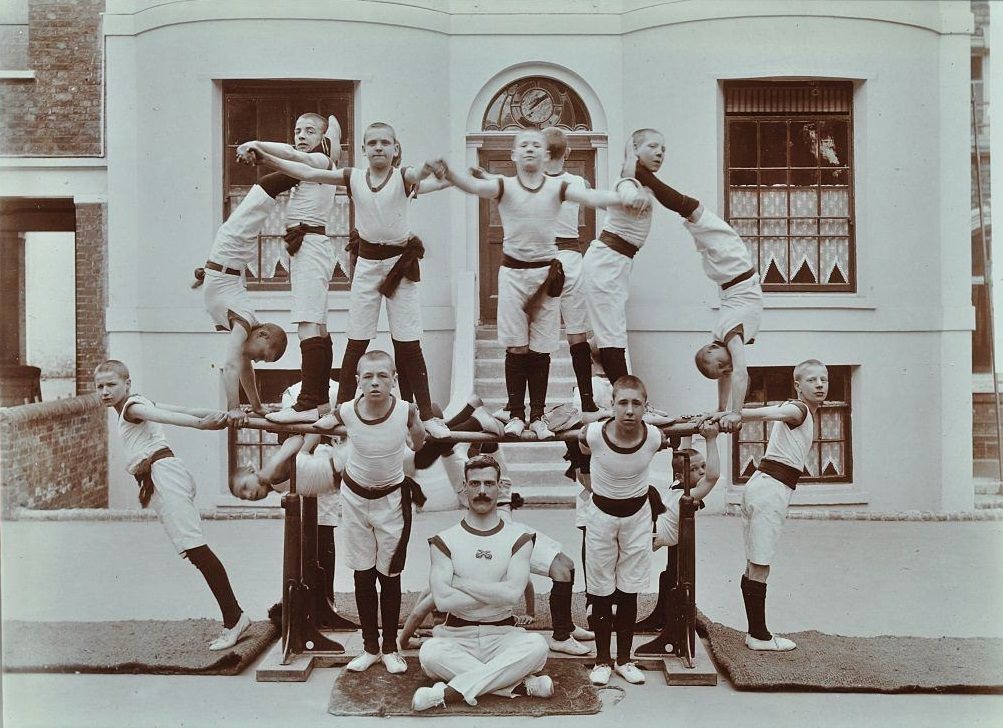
499	161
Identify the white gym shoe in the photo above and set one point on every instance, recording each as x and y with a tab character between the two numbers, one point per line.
515	427
539	686
363	661
394	663
629	672
425	698
600	674
540	429
231	636
583	635
436	428
570	646
488	422
291	416
776	644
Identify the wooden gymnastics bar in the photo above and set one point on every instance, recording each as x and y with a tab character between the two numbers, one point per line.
301	637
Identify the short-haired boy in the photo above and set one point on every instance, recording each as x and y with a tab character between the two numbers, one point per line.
376	502
767	494
726	261
167	485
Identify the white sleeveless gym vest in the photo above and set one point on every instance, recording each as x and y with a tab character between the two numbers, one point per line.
617	473
140	440
310	203
236	240
724	257
567	218
377	456
792	445
620	221
381	214
528	218
482	556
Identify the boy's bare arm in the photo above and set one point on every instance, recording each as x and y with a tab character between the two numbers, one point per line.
238	371
505	592
592	198
415	429
486	188
306	172
440	581
277	466
739	384
709	430
176	415
786	412
421	610
288	152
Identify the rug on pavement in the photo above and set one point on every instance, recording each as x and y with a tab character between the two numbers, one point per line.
645	603
378	693
886	664
156	647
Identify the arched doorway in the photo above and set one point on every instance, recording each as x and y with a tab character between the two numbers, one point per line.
528	102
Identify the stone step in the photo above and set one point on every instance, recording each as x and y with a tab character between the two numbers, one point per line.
494	388
540	453
495	368
553	399
492	349
988	486
981	501
550	496
525	475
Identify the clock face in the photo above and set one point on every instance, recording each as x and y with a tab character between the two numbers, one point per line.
537	107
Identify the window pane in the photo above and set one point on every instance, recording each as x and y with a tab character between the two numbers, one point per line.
773	144
773	203
773	260
804	144
804	260
804	202
802	226
835	202
744	203
742	143
833	146
744	177
275	121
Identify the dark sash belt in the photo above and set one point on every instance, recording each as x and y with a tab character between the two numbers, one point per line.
623	507
738	279
144	474
406	265
294	235
615	242
781	471
552	285
411	492
453	621
212	265
569	244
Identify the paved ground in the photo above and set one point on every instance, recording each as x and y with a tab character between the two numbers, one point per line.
845	577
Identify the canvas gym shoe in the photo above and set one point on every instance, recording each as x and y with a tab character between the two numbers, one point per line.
540	429
394	663
629	672
363	661
583	635
570	646
600	674
487	421
291	416
231	636
539	686
425	698
515	427
774	644
436	428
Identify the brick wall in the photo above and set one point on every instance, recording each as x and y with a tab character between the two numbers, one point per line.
92	292
983	427
54	455
59	113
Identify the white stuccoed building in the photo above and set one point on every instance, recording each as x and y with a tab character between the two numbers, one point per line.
834	136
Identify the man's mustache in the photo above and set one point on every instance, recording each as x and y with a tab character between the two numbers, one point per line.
482	498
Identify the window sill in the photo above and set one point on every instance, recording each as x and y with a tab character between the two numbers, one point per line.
849	301
842	494
266	505
6	75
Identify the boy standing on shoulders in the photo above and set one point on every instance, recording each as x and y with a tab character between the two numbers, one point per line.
166	484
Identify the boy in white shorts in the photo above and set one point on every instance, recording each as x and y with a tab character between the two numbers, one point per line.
769	490
376	502
167	485
312	256
386	268
726	261
618	523
531	277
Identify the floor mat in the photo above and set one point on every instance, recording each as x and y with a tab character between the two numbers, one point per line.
155	647
886	664
378	693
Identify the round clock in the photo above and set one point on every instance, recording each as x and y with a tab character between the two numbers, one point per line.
538	107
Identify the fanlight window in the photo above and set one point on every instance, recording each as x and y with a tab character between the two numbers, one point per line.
536	102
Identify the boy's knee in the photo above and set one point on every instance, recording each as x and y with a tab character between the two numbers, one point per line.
757	572
562	568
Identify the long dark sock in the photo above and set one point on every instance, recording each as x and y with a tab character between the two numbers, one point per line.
347	384
324	390
581	361
626	615
315	381
403	381
754	596
614	362
539	374
411	361
325	558
516	379
368	606
560	608
203	558
390	610
602	625
666	196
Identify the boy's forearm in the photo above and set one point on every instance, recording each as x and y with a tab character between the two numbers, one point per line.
250	384
504	592
723	392
739	388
